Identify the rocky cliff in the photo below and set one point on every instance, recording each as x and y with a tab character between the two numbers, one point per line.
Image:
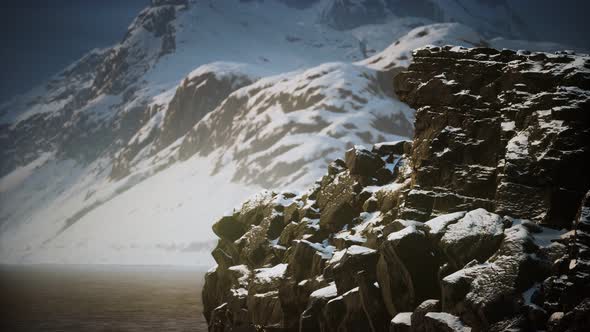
244	91
480	223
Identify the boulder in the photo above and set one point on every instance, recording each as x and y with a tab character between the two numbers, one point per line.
336	202
475	236
417	318
402	322
312	318
345	265
345	313
267	279
361	161
444	322
229	228
254	246
485	293
222	286
303	256
407	270
438	226
396	148
554	322
265	309
372	302
295	298
578	319
226	254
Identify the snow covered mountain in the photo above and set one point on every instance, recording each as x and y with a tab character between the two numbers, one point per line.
129	154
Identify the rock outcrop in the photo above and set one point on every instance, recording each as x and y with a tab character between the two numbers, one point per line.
199	93
457	231
504	131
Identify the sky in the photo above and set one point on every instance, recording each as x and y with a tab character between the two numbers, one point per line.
41	37
563	21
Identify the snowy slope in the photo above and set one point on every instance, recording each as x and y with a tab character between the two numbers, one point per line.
164	220
127	157
284	128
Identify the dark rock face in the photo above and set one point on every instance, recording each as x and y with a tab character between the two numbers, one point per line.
568	292
198	95
476	236
361	162
502	131
437	245
407	270
418	319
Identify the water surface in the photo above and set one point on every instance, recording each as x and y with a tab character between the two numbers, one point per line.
100	298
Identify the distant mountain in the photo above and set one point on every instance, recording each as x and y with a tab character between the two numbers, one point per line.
129	154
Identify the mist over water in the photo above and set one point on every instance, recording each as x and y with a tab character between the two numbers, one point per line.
100	298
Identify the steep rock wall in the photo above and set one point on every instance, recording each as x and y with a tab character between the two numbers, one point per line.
375	246
505	131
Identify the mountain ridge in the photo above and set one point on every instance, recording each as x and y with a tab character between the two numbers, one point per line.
442	233
121	116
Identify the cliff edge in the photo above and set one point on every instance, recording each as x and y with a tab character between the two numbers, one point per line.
480	223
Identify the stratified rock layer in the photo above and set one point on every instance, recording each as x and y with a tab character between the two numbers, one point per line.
448	233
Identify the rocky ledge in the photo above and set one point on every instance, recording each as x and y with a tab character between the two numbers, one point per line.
481	223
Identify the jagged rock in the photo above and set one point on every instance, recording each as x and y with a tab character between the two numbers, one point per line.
578	319
335	200
296	298
294	231
371	205
265	309
407	270
372	302
390	196
361	161
516	323
554	322
409	258
402	322
312	318
254	246
304	254
267	279
345	265
483	294
225	254
475	236
221	285
568	291
392	148
345	313
418	316
229	228
438	226
200	93
493	133
337	166
444	322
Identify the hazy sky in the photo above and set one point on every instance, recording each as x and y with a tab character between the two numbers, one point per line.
563	21
40	37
